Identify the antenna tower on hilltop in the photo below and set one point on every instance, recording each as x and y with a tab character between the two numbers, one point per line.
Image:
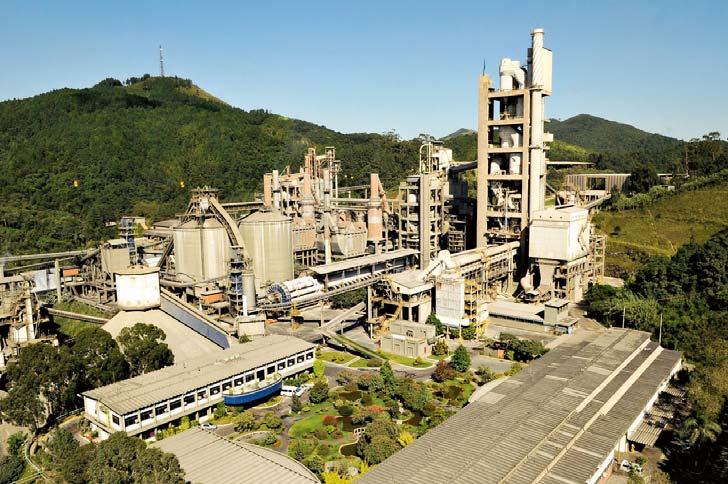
161	61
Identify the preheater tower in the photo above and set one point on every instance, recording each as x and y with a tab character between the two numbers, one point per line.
512	144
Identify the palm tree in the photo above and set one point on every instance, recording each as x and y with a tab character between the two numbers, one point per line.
699	429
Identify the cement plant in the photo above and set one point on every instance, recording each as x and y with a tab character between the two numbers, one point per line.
431	333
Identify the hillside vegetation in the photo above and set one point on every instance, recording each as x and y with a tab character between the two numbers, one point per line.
662	227
73	159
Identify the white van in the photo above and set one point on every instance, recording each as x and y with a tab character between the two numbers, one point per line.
289	391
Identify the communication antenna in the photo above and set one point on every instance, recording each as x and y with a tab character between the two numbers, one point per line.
161	61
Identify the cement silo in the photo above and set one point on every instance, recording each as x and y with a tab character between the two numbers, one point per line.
201	250
267	237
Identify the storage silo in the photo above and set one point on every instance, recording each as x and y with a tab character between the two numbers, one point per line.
201	250
267	237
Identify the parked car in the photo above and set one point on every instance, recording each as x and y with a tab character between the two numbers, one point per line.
208	426
289	390
626	466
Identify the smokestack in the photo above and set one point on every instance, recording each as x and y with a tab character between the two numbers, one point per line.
374	212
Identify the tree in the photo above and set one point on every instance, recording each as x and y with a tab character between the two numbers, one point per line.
318	369
486	374
699	429
244	338
297	450
123	459
414	395
296	405
468	332
66	456
435	321
315	464
405	438
643	178
100	357
10	468
379	440
144	348
245	422
345	410
319	392
443	371
379	449
440	348
385	370
43	382
16	442
460	359
272	421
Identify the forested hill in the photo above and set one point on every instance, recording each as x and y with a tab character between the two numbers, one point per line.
609	145
602	135
73	159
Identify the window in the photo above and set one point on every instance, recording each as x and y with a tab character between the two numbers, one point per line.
201	394
260	375
410	333
189	398
147	414
226	385
238	381
249	378
214	390
271	369
300	359
291	361
281	365
160	409
175	404
115	419
309	355
130	420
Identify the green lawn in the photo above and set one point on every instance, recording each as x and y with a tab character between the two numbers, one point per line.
360	363
306	426
404	360
662	227
72	327
437	357
339	357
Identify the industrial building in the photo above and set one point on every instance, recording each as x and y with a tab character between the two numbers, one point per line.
240	374
563	419
207	458
225	268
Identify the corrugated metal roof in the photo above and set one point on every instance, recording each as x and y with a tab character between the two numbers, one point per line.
554	421
146	390
208	458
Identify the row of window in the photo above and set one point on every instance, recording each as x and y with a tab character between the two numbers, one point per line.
202	394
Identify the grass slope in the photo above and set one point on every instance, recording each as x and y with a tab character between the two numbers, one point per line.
662	227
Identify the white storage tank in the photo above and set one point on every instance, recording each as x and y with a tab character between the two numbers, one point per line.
268	241
559	234
201	251
137	288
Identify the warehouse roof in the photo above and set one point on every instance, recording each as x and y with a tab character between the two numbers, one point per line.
508	309
557	421
208	458
150	388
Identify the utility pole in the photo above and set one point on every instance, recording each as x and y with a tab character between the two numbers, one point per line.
659	340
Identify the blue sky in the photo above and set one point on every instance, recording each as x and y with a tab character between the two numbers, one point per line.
375	66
